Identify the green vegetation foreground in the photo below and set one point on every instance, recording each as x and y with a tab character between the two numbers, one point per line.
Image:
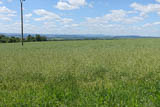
81	73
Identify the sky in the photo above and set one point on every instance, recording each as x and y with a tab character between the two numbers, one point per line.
109	17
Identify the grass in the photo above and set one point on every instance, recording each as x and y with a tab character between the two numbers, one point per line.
113	73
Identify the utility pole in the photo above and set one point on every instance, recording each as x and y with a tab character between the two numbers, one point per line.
21	1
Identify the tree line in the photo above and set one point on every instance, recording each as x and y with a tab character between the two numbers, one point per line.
29	38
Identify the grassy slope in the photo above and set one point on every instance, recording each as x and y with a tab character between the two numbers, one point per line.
84	73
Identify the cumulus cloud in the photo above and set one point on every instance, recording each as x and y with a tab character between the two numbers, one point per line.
158	1
151	24
51	17
45	15
70	4
6	13
145	9
66	20
9	0
116	16
114	22
28	15
4	9
1	2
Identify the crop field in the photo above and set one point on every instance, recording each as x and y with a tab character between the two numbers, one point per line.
109	73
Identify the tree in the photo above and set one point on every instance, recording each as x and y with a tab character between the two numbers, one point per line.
18	39
43	38
30	38
3	39
12	39
2	36
38	37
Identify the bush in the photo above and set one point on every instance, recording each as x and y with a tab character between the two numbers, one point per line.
30	38
38	38
12	39
41	38
3	39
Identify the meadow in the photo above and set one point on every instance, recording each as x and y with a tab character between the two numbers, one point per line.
109	73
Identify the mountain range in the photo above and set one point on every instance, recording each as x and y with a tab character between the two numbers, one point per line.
80	36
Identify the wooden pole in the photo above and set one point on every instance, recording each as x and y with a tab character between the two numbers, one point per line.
22	20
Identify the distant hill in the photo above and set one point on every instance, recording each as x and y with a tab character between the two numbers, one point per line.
78	36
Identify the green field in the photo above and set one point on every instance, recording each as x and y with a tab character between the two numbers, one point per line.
110	73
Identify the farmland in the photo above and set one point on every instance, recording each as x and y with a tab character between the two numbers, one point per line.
124	72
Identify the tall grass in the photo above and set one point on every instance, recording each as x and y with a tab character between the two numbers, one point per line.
81	73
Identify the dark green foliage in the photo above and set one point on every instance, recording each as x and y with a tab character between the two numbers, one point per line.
12	40
18	39
38	38
30	38
43	38
3	39
2	36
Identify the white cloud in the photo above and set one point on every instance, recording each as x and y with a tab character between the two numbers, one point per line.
52	22
116	16
133	19
15	27
117	22
66	20
9	0
28	15
3	17
6	14
74	25
71	26
1	2
50	16
156	23
65	6
4	9
70	4
158	0
45	15
151	24
145	9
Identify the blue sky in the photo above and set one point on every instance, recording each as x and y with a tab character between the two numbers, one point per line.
110	17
